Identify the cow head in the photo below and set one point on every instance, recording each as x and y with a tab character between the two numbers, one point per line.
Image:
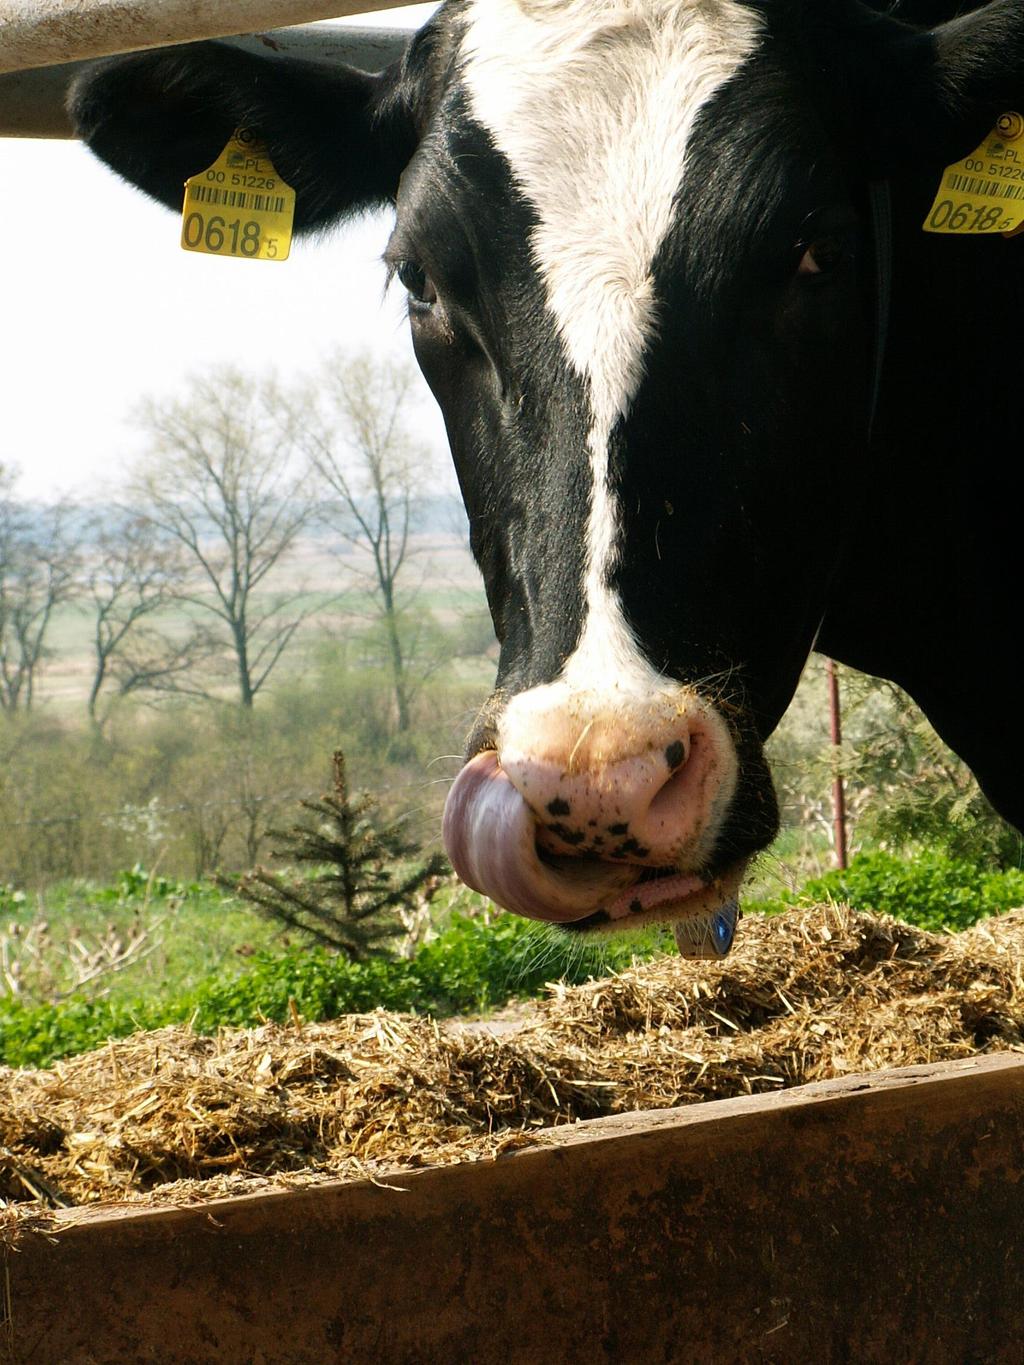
633	235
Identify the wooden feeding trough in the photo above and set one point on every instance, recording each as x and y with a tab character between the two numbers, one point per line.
874	1218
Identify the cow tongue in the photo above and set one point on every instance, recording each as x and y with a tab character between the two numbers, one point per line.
491	837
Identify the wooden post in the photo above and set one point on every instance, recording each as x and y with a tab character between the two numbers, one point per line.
838	790
44	32
32	103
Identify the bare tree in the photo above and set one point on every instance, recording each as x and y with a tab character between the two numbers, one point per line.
356	430
39	563
132	575
224	479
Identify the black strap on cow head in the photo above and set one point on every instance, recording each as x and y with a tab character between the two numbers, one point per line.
880	200
880	197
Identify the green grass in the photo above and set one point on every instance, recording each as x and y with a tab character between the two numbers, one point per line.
797	854
219	963
476	963
194	931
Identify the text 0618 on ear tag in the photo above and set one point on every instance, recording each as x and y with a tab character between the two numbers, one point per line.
239	206
984	192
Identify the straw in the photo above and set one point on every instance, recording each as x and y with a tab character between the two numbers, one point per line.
172	1116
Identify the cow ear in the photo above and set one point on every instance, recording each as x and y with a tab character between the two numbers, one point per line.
950	85
340	137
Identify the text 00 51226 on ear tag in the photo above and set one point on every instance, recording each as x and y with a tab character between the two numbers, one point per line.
239	206
984	193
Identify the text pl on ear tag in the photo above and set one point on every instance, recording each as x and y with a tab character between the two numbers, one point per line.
984	193
239	206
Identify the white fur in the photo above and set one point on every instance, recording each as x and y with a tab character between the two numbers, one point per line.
592	102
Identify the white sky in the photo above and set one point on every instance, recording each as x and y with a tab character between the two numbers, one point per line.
99	305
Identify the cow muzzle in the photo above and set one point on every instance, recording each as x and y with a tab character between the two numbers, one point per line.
597	810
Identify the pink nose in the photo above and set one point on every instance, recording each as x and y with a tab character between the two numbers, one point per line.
623	779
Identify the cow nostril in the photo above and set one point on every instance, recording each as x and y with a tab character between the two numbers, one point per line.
675	755
668	798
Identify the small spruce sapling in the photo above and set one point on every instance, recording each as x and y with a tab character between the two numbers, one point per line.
353	898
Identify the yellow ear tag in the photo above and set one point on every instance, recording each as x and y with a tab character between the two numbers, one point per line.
239	206
984	192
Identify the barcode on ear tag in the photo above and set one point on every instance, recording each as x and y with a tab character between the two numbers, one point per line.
984	193
239	206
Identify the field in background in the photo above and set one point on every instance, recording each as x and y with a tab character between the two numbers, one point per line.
443	584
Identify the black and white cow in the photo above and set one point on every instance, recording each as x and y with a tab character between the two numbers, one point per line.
635	236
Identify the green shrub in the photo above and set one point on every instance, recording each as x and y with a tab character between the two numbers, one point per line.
12	900
135	883
929	889
473	966
39	1035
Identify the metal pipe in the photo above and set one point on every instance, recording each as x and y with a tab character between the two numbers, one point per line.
838	789
47	32
32	102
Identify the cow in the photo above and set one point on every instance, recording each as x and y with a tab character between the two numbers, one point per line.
714	398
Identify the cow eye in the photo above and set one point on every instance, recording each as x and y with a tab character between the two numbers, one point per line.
822	256
418	284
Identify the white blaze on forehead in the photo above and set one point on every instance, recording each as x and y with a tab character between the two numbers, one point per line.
592	102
